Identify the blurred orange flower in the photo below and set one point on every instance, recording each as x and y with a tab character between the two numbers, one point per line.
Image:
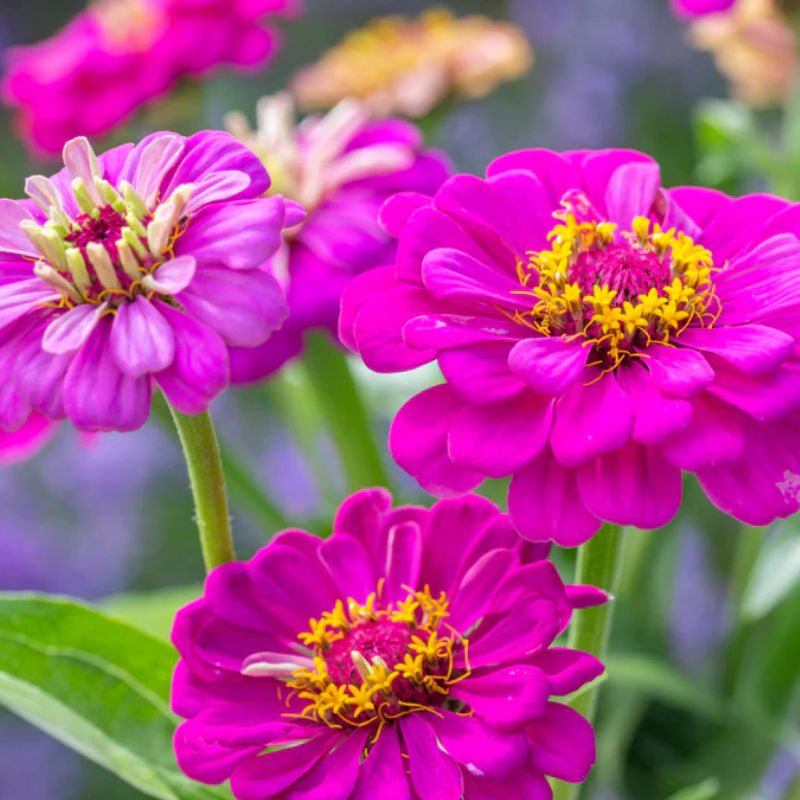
754	47
407	66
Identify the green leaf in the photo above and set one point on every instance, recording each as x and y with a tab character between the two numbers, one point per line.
705	790
776	572
658	680
96	684
151	612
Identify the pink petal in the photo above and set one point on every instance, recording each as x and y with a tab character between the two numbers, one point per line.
349	566
383	770
562	744
403	560
155	160
12	238
765	398
397	210
434	775
442	331
26	440
590	420
418	442
480	374
634	485
631	192
199	370
97	395
141	339
678	371
172	276
567	670
68	331
243	306
544	503
548	364
506	698
501	438
752	349
554	171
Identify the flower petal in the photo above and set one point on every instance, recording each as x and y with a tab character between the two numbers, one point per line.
172	276
678	371
383	772
141	340
68	331
548	364
434	775
562	744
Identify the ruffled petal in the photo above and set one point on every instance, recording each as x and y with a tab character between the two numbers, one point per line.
418	442
480	374
634	485
141	339
678	371
549	365
544	503
562	744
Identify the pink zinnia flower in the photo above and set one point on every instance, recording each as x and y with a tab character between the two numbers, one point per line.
598	334
137	266
340	167
699	8
119	54
413	646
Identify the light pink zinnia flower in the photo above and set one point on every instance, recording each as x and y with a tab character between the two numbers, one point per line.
409	655
340	167
119	54
137	266
598	334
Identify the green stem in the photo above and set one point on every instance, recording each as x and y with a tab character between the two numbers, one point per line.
203	460
344	412
599	565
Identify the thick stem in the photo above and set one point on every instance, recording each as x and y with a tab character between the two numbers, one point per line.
599	563
203	460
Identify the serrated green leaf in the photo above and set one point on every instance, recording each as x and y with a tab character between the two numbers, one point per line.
96	684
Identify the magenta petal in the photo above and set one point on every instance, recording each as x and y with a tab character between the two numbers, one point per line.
349	566
12	237
567	670
361	515
480	374
549	364
442	331
479	747
715	437
562	744
678	371
172	276
243	306
752	349
634	485
335	777
499	439
765	399
199	370
383	772
274	772
434	775
397	210
418	442
523	783
98	396
544	503
581	595
68	331
590	420
141	339
403	560
478	585
699	203
26	440
507	698
631	192
553	170
657	415
207	762
356	295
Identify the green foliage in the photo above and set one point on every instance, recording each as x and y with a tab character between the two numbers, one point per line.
97	685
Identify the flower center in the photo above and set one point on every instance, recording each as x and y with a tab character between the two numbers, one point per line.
373	665
109	251
620	291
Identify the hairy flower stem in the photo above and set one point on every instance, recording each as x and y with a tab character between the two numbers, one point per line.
203	460
598	564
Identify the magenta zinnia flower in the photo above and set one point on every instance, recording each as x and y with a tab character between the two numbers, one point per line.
119	54
137	266
699	8
412	647
340	167
597	334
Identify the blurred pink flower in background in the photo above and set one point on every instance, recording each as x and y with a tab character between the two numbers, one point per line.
26	440
698	8
117	55
340	167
